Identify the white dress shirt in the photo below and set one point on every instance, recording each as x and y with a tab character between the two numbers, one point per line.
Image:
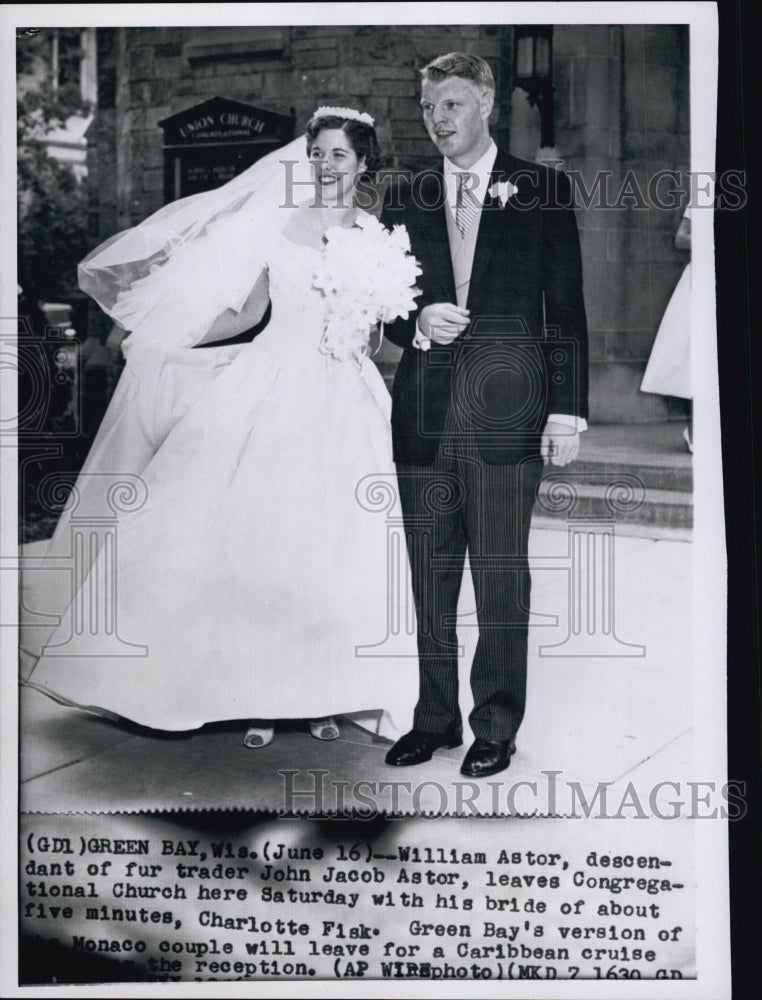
479	180
480	177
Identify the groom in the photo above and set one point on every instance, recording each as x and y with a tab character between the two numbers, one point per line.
492	384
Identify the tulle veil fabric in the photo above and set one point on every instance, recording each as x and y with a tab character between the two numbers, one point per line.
165	281
168	278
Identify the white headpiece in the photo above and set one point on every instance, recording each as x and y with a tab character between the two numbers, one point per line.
349	113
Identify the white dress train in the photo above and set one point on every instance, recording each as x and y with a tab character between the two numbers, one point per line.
260	573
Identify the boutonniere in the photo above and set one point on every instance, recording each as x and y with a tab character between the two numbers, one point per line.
502	191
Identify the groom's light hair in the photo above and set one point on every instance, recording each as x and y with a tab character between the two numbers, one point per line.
462	64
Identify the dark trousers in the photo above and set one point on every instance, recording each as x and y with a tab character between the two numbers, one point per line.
457	503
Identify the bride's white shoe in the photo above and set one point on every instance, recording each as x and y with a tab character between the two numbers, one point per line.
258	736
324	729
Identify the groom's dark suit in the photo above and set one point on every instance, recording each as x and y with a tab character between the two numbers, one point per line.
467	420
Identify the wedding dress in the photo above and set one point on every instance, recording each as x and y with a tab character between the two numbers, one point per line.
253	565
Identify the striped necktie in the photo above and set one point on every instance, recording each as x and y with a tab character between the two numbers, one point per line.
466	206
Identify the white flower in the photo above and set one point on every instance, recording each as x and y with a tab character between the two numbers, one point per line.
503	190
367	276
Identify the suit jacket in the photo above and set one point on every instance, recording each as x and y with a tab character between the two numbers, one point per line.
524	354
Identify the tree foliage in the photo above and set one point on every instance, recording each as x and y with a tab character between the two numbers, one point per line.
52	203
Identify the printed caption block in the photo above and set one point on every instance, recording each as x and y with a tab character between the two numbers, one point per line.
146	898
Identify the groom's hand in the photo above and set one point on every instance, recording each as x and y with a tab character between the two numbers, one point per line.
559	444
442	322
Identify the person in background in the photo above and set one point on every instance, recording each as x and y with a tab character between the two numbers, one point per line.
668	371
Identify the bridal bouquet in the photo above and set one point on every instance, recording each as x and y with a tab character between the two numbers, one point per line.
367	276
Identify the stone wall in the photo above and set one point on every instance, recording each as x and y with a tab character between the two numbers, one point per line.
622	113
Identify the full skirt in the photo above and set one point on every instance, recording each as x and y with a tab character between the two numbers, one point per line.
250	565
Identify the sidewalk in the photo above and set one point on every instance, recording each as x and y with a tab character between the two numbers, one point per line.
615	708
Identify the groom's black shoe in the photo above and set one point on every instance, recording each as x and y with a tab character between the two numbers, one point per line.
488	757
418	745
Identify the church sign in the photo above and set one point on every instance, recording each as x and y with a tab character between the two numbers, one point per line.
211	143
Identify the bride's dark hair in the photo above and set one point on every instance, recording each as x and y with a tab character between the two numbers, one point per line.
361	136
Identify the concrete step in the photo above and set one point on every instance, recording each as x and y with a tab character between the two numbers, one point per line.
562	498
653	476
655	453
639	474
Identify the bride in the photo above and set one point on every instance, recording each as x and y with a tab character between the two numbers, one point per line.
250	577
